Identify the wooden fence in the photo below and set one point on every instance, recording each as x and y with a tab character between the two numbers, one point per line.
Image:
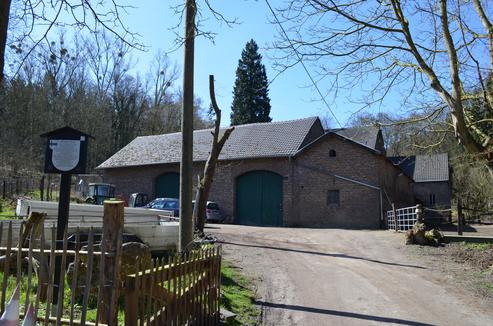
32	265
184	290
90	290
47	185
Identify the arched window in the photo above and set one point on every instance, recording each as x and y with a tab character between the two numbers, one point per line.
332	153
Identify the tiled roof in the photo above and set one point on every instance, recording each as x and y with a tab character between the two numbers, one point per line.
273	139
364	135
424	168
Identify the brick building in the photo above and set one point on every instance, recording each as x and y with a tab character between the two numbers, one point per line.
432	182
291	173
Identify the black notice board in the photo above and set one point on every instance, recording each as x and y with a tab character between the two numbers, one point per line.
66	151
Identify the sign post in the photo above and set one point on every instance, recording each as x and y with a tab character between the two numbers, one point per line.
66	154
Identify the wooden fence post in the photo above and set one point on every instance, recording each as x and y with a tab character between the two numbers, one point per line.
459	216
48	189
42	187
419	214
131	301
111	249
396	222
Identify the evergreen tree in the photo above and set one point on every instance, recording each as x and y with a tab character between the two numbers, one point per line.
251	101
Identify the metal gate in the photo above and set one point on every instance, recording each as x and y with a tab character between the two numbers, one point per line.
406	218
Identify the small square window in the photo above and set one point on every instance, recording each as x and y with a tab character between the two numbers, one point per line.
332	153
432	199
333	198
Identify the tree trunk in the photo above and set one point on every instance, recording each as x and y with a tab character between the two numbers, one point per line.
204	184
4	26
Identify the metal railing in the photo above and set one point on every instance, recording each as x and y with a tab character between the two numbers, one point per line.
406	218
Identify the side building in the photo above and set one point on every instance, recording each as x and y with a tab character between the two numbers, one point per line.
432	187
291	173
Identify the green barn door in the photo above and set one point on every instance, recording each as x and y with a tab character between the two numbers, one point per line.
259	198
168	185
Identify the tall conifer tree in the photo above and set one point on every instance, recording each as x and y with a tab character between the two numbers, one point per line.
251	101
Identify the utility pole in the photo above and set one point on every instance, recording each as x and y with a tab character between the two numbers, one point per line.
186	166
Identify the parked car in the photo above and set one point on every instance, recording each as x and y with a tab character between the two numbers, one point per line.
168	204
138	199
212	212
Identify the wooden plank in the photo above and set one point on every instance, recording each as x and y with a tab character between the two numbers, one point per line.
41	287
29	269
115	229
102	282
87	288
184	297
6	266
110	262
49	297
181	307
19	255
75	278
61	282
131	301
86	210
220	254
175	290
142	298
192	287
200	286
169	305
150	288
162	320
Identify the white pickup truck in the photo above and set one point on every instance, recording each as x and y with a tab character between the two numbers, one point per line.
154	227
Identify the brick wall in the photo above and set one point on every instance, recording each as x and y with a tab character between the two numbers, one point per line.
223	188
316	173
398	187
142	179
306	182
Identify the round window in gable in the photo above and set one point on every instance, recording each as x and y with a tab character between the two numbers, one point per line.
332	153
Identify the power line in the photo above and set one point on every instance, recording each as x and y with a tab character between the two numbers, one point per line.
302	63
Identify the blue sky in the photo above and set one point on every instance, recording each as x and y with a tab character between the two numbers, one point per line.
290	93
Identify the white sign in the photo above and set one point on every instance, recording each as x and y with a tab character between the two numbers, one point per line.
65	153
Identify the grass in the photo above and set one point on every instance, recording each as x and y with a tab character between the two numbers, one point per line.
7	210
237	295
477	246
91	311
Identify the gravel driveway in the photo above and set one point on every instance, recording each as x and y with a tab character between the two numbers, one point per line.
346	277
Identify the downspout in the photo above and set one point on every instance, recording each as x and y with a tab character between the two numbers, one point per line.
291	181
381	209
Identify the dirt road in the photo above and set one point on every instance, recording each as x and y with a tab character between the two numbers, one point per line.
345	277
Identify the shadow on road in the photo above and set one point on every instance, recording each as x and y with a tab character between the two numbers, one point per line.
322	254
341	313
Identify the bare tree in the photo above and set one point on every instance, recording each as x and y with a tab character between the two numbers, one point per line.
205	182
107	60
4	23
423	52
40	17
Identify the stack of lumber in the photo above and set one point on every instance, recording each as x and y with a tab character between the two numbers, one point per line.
148	224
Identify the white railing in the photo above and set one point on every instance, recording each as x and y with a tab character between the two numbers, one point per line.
406	218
